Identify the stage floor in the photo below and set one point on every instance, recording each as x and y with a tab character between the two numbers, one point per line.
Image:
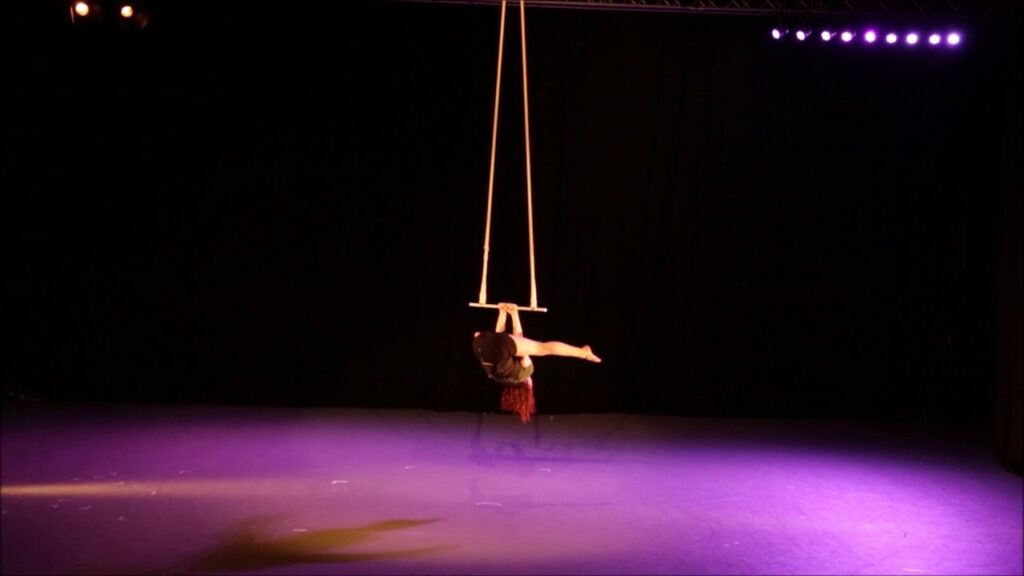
145	489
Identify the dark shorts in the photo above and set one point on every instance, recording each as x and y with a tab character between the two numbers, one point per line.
493	349
497	354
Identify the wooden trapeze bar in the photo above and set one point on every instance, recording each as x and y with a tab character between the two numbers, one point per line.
520	308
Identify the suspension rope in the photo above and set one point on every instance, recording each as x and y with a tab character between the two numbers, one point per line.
529	179
482	303
494	146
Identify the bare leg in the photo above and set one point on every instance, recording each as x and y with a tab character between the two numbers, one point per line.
527	347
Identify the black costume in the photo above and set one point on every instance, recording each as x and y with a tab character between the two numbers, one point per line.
496	352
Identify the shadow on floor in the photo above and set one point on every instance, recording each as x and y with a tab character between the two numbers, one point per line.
246	547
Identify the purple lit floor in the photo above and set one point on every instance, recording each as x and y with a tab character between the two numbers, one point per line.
118	489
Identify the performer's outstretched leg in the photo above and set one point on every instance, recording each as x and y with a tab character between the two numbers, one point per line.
527	347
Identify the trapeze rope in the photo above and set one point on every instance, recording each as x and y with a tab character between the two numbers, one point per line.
529	179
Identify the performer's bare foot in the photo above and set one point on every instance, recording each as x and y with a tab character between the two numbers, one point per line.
590	355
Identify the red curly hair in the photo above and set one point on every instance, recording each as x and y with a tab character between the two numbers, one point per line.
519	400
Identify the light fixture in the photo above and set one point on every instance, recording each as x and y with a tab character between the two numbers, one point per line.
870	35
125	16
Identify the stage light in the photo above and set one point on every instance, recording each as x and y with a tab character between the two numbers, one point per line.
869	34
99	15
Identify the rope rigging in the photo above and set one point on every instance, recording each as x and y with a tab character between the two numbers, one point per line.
482	301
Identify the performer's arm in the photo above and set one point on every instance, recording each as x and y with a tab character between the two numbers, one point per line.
517	326
502	317
517	330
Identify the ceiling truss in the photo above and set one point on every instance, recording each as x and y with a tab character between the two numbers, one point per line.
770	7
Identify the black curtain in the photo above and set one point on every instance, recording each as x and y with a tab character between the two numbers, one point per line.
288	208
1009	400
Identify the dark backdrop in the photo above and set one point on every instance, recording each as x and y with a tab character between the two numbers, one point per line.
288	208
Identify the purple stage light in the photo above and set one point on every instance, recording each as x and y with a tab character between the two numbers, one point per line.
846	36
912	38
776	33
826	35
870	36
953	39
801	35
934	39
891	38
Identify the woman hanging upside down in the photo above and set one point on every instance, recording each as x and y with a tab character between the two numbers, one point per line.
506	359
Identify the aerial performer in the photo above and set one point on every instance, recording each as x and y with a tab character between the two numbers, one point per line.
506	360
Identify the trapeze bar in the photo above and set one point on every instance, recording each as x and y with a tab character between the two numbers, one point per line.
520	308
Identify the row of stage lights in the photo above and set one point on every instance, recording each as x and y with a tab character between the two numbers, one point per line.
127	14
871	36
83	12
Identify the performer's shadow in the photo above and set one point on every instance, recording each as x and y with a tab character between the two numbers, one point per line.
491	451
245	547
